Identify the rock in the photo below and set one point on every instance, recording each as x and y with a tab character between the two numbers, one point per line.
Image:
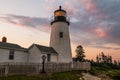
90	77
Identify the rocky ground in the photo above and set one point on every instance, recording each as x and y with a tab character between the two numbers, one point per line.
87	76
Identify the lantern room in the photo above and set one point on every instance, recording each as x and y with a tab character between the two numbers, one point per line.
60	15
60	12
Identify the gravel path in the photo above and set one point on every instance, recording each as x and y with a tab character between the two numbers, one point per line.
90	77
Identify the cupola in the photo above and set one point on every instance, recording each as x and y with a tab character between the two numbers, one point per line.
60	15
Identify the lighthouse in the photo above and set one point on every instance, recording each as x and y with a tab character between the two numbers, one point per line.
60	38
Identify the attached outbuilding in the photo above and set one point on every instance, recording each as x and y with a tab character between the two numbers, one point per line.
37	51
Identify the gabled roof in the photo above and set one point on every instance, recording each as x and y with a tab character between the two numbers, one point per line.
46	49
11	46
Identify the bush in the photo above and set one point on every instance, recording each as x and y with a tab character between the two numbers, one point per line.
114	74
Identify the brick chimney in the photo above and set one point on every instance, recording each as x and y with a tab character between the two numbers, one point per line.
4	39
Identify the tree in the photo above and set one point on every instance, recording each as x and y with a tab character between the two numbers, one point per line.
97	59
102	58
110	59
115	62
80	53
118	62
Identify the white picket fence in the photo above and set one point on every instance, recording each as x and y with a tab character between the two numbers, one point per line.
33	68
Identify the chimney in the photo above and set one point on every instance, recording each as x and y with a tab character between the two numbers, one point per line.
4	39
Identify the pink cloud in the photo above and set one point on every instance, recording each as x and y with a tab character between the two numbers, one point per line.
70	10
89	5
93	8
100	32
26	22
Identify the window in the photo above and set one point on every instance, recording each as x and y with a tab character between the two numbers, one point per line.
11	55
61	34
48	57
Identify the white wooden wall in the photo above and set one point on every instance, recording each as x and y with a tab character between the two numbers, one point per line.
35	55
19	56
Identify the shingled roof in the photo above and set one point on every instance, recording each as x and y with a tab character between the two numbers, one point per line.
45	49
11	46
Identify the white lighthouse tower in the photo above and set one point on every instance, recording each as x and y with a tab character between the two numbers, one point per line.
60	39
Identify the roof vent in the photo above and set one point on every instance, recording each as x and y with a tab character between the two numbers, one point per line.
4	39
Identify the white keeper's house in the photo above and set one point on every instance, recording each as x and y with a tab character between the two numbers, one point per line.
59	49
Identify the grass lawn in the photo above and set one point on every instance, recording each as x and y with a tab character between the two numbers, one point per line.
73	75
112	73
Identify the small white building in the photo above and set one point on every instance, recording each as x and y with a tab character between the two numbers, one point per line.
59	50
10	52
37	51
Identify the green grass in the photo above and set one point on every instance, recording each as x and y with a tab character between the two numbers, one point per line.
73	75
112	73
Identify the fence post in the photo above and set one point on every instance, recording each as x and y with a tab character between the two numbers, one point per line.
71	63
37	68
6	70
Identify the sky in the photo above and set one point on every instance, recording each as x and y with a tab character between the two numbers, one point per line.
94	24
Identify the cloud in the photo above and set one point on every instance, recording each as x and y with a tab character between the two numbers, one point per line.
105	47
89	5
99	25
26	21
94	23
